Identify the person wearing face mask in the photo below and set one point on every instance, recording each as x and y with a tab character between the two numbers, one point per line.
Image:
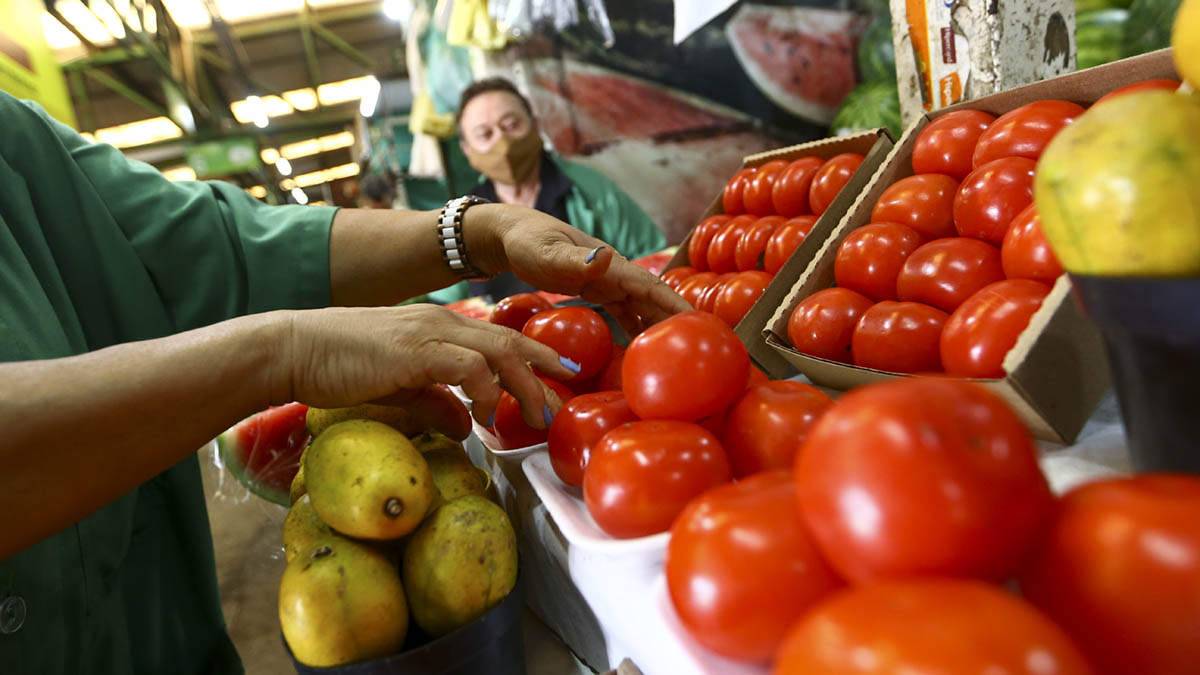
499	136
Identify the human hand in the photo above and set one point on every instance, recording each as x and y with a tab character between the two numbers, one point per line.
553	256
339	357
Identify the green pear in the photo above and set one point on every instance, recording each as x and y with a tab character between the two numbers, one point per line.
459	564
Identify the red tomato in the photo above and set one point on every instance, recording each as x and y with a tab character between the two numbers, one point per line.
723	248
702	237
579	426
752	245
714	423
766	426
927	626
515	310
1144	85
790	194
510	427
1025	131
830	179
610	378
692	288
992	196
642	474
755	376
708	299
785	240
947	143
1025	253
822	325
945	272
686	367
577	333
870	258
1120	571
921	476
924	202
739	294
899	337
731	199
757	196
719	537
675	276
986	326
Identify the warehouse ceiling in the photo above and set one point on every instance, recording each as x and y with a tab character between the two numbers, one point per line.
154	76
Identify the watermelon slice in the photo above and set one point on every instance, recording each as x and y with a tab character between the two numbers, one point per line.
263	450
800	57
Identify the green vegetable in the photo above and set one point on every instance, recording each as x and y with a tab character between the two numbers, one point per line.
868	106
1149	26
1098	36
1082	6
876	55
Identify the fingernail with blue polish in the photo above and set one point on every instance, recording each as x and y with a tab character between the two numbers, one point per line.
492	419
592	256
546	416
569	364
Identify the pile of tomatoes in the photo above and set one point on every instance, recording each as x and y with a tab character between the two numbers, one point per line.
768	211
953	263
912	509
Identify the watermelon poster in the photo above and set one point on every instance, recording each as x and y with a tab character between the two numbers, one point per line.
670	123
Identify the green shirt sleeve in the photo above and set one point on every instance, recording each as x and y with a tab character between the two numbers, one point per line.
212	250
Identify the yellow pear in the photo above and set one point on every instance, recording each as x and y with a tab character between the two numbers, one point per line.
459	564
302	529
298	488
454	474
366	480
342	602
432	439
317	420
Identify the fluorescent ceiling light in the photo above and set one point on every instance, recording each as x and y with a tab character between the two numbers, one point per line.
312	146
256	111
325	175
283	166
370	98
57	35
301	99
333	93
269	155
179	173
257	191
299	195
139	133
397	10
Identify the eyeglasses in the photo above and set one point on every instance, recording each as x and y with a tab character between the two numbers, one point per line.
512	125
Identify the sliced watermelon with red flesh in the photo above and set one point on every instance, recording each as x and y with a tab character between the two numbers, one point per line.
802	58
263	451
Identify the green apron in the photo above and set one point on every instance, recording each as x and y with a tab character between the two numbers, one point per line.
96	249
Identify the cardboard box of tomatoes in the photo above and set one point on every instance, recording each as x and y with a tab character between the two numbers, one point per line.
873	146
1055	372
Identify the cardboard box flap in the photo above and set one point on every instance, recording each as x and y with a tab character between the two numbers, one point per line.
750	329
1082	87
861	142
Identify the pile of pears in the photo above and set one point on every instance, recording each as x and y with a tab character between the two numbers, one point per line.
383	526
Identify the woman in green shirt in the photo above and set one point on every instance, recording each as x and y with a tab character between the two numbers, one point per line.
139	318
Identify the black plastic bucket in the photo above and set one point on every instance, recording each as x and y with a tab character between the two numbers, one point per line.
1151	329
493	644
